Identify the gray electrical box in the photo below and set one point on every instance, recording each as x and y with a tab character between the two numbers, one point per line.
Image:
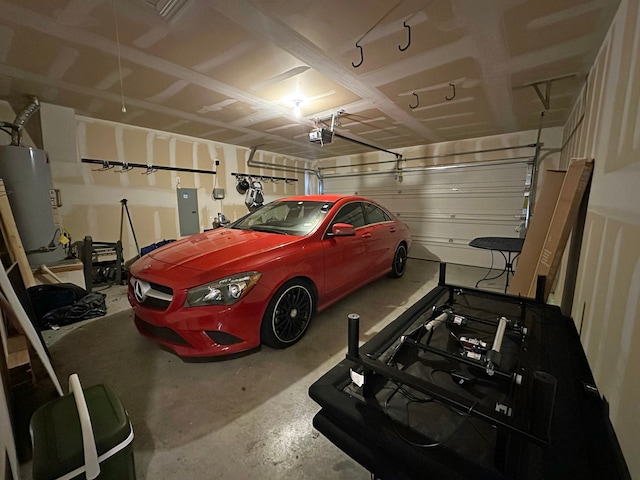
188	211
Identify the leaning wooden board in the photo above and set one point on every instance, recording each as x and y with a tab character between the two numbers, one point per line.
564	217
12	238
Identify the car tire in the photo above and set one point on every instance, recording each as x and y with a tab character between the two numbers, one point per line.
399	264
288	314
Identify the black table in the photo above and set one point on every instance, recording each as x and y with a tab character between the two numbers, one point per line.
423	412
506	246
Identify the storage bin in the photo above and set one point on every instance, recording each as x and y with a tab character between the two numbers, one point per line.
83	435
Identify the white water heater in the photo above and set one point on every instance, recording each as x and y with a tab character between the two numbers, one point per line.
27	179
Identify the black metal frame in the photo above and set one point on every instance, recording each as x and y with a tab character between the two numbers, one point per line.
356	420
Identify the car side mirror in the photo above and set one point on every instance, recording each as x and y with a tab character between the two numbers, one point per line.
343	230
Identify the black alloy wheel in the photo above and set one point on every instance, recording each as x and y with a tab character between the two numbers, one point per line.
288	315
399	264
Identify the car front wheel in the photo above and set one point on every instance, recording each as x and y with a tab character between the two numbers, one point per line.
288	315
399	264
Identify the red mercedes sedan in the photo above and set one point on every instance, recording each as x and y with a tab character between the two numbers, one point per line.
261	279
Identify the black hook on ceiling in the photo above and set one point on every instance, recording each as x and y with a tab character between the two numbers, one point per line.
417	101
454	92
402	49
361	56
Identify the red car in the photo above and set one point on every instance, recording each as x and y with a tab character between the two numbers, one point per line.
260	279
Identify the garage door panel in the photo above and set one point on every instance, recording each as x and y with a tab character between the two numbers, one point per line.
447	208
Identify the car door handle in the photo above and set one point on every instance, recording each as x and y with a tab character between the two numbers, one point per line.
366	235
392	229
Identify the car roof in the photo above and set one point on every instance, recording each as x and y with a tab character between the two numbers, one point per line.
322	198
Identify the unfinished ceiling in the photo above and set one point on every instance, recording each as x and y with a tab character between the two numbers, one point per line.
401	73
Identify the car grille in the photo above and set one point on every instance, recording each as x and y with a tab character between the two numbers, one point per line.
155	303
151	295
162	333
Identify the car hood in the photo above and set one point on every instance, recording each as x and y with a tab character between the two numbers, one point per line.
222	248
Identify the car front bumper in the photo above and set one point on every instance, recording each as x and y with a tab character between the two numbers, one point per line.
202	331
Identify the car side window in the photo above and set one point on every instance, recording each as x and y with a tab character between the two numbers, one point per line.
351	214
375	214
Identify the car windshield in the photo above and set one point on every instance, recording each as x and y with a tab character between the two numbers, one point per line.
285	217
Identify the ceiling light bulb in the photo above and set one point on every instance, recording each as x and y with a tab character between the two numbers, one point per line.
297	111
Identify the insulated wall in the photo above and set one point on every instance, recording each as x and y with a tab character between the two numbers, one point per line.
92	195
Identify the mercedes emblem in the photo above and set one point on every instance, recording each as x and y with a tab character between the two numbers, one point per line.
140	289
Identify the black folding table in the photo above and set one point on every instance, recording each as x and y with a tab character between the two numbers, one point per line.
506	246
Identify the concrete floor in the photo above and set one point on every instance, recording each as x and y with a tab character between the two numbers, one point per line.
245	418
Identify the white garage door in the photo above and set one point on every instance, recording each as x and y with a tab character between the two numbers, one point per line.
446	208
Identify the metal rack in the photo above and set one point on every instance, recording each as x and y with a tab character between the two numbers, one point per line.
126	166
102	263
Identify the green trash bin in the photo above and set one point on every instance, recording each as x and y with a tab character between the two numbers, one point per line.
67	447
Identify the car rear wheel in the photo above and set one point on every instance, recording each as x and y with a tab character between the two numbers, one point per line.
288	315
399	264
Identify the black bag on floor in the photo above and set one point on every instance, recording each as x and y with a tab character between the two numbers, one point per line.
45	298
90	306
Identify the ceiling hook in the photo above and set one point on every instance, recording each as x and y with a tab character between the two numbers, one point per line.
417	101
361	56
402	49
454	92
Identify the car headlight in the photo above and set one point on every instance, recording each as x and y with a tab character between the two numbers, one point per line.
225	291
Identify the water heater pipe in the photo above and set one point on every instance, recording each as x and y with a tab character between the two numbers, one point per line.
22	118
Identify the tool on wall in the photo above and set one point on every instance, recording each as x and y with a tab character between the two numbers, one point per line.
252	189
254	197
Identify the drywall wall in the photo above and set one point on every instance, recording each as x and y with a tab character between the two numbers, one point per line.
92	198
605	126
